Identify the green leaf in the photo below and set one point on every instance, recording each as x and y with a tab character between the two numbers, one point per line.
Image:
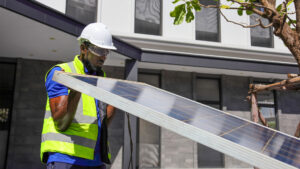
189	15
249	12
279	7
174	2
224	6
240	11
289	3
196	5
292	21
188	4
178	13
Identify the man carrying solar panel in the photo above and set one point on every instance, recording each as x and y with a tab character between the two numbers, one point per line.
73	121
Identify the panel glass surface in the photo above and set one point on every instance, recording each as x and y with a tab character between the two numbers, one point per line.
258	138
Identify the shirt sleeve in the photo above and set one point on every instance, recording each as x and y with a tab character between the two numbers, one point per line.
53	88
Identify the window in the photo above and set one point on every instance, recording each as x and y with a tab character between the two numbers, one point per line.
82	11
148	17
148	147
266	105
207	91
6	103
207	22
262	37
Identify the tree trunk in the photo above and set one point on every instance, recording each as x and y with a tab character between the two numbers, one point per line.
288	36
254	108
297	7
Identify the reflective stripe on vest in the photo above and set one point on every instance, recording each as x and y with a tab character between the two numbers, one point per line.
69	139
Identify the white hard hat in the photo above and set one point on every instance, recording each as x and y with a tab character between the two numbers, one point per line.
97	34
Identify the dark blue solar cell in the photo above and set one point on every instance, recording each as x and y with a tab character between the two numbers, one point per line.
89	80
284	149
245	135
177	116
132	91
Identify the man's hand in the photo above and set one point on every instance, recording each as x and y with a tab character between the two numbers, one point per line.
110	110
63	109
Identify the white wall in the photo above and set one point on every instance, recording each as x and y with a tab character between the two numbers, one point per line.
184	31
59	5
118	15
232	34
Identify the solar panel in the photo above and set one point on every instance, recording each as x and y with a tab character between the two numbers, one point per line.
242	139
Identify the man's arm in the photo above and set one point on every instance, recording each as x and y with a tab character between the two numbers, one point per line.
63	109
62	104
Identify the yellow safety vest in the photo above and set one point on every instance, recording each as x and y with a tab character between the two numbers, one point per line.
80	138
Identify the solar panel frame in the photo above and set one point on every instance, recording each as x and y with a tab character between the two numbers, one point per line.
199	135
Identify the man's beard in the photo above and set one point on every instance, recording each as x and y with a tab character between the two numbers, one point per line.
92	70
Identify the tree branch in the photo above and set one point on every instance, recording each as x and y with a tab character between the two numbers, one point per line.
291	20
291	13
246	26
262	25
248	5
258	12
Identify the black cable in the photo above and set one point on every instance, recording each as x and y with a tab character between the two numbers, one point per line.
131	143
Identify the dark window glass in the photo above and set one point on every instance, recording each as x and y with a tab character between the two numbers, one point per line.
148	17
260	36
207	22
266	105
208	92
6	103
148	146
6	93
84	11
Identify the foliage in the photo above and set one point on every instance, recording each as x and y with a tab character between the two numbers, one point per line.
184	11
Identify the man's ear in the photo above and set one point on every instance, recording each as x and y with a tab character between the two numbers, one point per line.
83	48
83	51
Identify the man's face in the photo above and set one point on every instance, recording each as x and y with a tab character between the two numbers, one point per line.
96	56
96	61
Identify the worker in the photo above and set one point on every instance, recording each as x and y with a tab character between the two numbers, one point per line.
75	125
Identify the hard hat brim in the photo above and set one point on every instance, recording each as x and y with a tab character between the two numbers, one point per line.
101	46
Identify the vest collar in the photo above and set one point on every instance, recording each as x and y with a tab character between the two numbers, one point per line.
79	65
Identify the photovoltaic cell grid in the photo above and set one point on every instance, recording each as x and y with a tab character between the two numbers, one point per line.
258	138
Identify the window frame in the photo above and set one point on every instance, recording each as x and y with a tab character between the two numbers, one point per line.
96	14
270	29
218	27
160	19
275	101
195	77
